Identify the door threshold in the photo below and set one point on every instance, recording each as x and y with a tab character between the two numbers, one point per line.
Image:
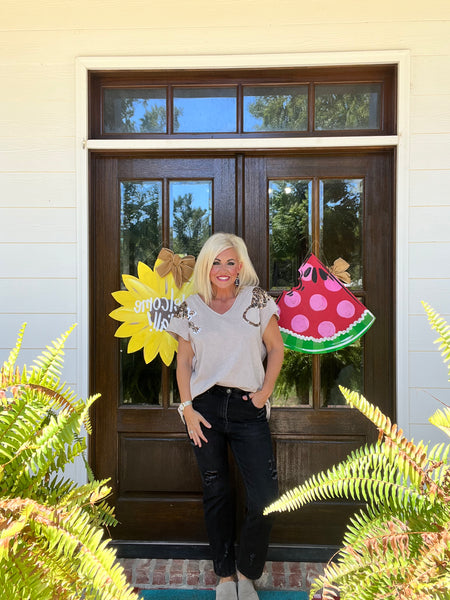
166	550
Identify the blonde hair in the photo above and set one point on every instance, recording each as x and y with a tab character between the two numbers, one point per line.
213	246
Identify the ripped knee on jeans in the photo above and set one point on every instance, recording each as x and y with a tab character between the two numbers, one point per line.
209	477
273	469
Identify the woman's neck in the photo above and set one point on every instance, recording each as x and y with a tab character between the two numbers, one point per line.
224	295
223	299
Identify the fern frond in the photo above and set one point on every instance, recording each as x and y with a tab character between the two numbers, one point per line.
51	361
441	419
441	326
65	547
51	540
9	365
394	437
366	475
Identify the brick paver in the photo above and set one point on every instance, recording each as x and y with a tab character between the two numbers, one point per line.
199	574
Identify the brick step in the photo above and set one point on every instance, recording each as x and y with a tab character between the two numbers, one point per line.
161	573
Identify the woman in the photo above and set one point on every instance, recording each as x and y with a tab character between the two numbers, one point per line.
224	333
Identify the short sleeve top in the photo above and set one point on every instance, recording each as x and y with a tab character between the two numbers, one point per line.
228	348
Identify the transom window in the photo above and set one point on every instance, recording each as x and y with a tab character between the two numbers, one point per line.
288	102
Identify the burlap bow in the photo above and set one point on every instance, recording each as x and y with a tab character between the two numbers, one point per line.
180	267
339	270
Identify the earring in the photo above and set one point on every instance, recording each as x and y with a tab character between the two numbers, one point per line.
236	281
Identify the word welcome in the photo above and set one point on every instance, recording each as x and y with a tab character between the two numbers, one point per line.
159	310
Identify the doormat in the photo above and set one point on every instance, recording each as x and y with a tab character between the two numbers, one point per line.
173	594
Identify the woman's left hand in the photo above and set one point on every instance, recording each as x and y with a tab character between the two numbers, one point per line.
258	398
275	352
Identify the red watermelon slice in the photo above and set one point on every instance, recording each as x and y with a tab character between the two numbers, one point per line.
320	314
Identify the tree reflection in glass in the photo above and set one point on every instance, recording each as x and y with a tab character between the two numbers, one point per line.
289	230
276	108
190	215
295	381
341	207
347	106
343	367
134	110
341	224
140	240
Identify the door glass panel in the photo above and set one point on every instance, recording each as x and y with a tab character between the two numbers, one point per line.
204	110
276	108
347	106
140	224
343	367
289	230
140	240
295	381
341	237
341	224
190	215
138	110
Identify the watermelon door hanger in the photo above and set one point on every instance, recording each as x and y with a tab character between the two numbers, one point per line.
320	314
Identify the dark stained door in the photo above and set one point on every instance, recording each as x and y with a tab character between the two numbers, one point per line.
335	204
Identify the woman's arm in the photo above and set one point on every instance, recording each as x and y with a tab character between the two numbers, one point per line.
275	354
193	419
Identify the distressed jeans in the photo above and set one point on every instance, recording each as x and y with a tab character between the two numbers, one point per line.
243	427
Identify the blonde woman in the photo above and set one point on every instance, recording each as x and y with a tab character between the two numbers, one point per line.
225	332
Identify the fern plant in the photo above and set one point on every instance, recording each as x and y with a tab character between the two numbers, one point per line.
398	547
52	542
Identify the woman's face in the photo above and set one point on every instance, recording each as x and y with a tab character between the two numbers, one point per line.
225	269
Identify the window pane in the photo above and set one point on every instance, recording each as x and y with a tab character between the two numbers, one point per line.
344	367
289	230
347	106
341	224
190	215
294	384
140	383
134	110
204	110
276	108
140	240
140	224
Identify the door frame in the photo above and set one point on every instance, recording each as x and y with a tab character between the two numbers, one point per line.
400	142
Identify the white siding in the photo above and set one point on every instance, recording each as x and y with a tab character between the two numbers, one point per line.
42	241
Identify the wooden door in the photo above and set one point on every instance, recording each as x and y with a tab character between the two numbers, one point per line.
342	206
139	441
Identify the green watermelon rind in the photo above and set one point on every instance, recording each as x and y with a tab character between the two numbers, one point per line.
298	343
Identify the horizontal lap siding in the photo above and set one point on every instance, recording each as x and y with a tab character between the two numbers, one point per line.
39	44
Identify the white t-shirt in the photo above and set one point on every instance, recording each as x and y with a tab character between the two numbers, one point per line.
228	348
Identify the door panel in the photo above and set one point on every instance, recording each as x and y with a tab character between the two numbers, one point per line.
141	445
310	435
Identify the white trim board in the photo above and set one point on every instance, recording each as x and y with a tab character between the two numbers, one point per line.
401	58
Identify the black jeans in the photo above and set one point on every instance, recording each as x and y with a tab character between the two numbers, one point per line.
242	426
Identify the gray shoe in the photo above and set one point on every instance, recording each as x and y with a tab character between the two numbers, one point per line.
246	590
226	591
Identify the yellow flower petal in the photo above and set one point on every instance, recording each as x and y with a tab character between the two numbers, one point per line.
144	313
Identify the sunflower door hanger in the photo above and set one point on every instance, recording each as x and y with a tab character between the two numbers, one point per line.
149	302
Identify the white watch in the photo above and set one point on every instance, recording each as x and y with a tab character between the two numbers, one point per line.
182	407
